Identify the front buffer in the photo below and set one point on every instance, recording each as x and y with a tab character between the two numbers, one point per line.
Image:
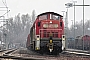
50	45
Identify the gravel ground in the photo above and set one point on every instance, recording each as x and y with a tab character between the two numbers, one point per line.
28	53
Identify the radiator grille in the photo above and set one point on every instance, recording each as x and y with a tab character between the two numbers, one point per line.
55	33
47	34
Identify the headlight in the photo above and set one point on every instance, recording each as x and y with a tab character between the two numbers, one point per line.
45	25
63	37
55	25
38	38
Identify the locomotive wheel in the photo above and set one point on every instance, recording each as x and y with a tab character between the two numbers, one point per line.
31	47
41	52
55	52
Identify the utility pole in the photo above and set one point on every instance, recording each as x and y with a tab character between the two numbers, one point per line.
5	35
74	23
83	24
63	15
66	26
72	28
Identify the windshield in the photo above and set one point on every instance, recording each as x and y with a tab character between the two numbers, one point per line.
54	17
43	17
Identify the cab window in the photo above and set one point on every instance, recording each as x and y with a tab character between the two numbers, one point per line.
43	17
54	17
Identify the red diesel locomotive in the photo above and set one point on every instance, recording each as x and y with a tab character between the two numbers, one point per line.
47	33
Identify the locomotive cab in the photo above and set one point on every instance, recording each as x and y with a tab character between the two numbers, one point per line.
48	32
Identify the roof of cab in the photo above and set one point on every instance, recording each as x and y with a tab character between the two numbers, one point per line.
49	13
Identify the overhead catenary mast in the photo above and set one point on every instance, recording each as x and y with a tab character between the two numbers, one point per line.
4	21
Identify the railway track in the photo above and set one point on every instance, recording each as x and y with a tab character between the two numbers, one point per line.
24	54
3	53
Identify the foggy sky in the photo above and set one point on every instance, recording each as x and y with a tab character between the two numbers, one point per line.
40	6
